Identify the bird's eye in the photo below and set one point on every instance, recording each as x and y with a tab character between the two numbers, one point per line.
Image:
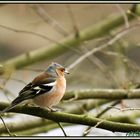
62	69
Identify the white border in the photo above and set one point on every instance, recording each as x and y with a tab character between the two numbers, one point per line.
69	2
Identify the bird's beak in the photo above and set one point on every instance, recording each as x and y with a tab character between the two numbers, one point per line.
66	71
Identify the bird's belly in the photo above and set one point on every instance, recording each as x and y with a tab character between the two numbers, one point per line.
48	99
52	98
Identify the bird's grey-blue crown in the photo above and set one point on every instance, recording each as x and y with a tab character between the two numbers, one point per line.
52	69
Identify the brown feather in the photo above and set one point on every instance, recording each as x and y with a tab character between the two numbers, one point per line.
40	78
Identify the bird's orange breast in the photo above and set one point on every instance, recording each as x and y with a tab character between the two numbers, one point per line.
55	95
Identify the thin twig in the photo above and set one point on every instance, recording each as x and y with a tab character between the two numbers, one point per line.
84	49
77	35
92	59
48	19
71	99
102	67
7	92
10	134
88	129
76	30
15	79
133	9
33	69
62	129
108	108
2	87
71	15
110	42
18	80
39	35
134	15
126	60
124	109
123	14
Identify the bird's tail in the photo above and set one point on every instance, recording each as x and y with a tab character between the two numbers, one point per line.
13	104
8	108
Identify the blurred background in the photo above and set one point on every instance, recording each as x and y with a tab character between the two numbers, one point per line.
105	69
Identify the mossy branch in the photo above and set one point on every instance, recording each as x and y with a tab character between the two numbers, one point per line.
103	94
43	125
39	126
15	127
34	125
72	118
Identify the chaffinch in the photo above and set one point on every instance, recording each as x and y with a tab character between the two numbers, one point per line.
46	90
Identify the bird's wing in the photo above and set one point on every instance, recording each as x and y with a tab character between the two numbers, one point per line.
26	88
41	84
40	80
35	88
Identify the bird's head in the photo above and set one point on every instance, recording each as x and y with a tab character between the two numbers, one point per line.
56	69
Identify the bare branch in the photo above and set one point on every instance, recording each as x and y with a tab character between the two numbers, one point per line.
110	42
103	94
71	15
7	92
125	109
88	129
72	118
15	79
39	35
83	48
49	19
61	127
123	14
6	126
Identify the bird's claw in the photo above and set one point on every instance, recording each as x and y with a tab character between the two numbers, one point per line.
52	109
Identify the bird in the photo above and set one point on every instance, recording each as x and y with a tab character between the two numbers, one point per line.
45	90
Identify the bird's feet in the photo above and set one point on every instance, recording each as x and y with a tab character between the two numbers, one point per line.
52	109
